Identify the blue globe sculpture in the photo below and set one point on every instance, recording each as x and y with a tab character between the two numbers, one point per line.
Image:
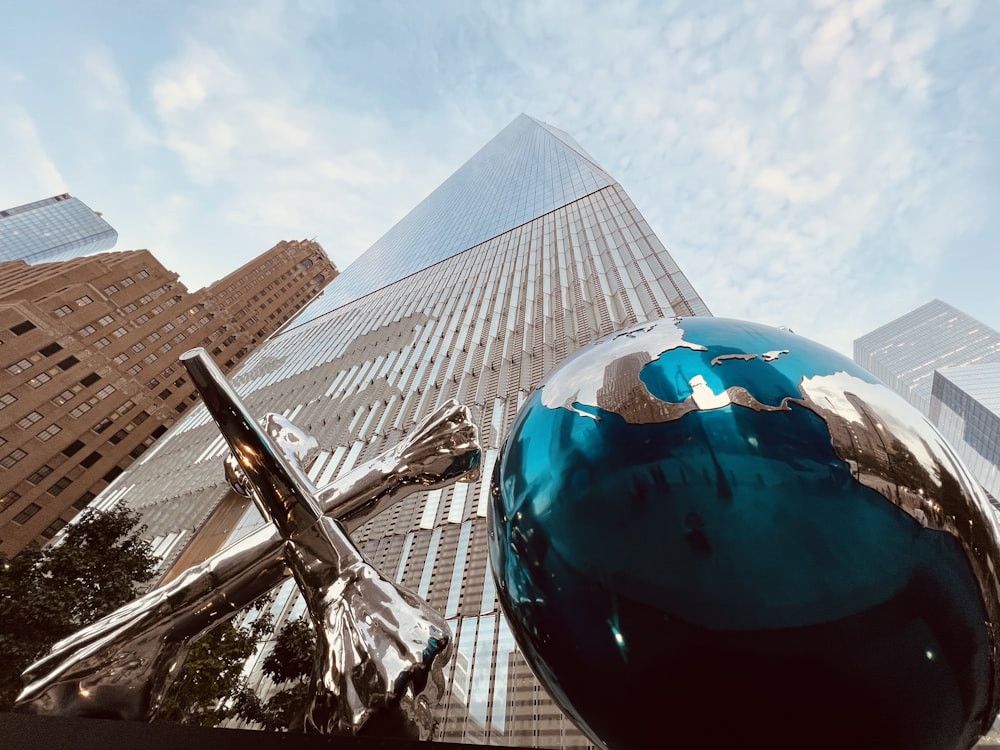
712	533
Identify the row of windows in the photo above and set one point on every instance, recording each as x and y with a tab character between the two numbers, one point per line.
27	362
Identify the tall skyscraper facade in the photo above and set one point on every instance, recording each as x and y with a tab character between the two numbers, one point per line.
527	253
88	375
905	352
57	228
965	406
947	364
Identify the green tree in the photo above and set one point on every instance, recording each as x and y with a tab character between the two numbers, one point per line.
210	685
47	594
290	663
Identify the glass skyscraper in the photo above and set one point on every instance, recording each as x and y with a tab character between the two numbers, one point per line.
905	352
57	228
965	405
527	253
947	364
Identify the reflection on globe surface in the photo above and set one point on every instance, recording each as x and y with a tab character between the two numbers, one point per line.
716	533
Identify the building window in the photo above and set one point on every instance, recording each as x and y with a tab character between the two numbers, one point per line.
53	528
149	358
68	363
127	281
86	330
90	379
49	432
102	342
101	426
83	301
72	448
62	312
130	307
135	370
7	399
8	499
40	379
28	419
126	407
106	320
93	458
19	366
143	274
84	500
154	336
106	391
164	394
22	328
118	437
138	346
37	476
121	359
120	331
112	289
80	409
12	458
48	351
66	395
144	318
59	485
168	327
26	514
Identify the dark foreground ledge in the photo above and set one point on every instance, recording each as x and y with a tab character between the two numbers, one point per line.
27	732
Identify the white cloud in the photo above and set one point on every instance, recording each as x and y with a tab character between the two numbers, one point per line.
793	158
29	174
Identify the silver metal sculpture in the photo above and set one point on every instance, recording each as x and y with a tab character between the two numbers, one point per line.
381	648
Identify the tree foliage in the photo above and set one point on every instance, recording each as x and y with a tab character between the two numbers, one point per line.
210	686
290	664
47	594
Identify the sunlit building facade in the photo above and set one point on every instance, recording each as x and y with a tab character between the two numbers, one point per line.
947	364
527	253
89	378
57	228
965	405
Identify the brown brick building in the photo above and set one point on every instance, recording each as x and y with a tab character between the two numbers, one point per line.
88	365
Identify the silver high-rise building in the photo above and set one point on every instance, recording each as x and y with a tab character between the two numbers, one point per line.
527	253
947	364
57	228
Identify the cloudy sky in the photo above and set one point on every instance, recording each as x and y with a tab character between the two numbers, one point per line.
823	165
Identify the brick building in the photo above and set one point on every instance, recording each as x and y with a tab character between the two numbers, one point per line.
88	365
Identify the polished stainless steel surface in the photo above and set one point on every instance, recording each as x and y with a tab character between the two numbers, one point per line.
381	646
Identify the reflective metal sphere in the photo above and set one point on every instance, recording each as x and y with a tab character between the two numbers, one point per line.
717	533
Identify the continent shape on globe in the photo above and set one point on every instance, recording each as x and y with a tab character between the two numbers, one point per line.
717	531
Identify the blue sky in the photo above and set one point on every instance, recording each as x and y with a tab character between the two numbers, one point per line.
822	165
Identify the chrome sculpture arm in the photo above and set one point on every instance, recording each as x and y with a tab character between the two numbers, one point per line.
381	649
121	666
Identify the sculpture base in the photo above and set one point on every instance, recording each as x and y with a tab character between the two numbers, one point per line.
28	732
